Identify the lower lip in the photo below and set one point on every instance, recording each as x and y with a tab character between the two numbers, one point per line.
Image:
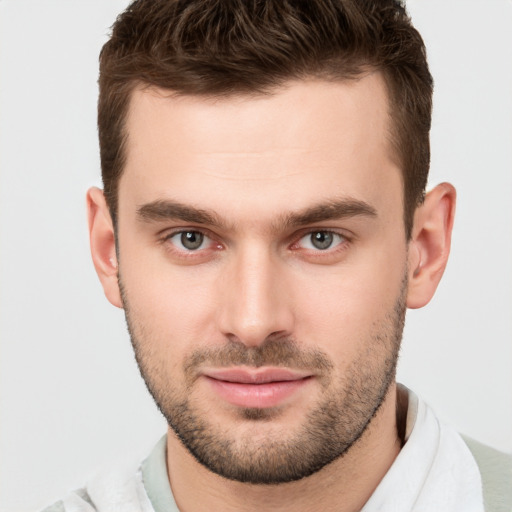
259	396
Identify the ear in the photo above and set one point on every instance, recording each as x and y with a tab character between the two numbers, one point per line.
103	245
429	246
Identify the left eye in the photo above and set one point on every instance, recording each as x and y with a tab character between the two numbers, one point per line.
189	240
320	240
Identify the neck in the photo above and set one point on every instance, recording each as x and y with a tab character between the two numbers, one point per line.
344	485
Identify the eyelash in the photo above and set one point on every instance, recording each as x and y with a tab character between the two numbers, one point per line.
183	253
329	250
297	237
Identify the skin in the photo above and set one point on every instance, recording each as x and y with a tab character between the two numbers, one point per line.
257	164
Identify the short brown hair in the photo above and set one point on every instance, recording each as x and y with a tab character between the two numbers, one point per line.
223	47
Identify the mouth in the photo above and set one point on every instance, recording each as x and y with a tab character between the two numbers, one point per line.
256	388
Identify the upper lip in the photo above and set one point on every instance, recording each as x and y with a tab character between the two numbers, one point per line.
255	375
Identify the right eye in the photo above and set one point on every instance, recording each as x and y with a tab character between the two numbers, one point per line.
189	241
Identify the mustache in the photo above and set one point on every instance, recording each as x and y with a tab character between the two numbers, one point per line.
274	351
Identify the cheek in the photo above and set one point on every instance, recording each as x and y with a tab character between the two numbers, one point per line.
344	306
169	307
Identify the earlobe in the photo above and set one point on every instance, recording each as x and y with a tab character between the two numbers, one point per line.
103	244
430	242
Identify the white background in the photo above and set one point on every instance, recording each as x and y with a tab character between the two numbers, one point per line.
71	398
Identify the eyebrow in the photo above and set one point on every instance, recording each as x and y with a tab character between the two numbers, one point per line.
330	210
172	210
165	209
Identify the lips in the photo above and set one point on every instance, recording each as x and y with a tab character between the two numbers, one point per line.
256	388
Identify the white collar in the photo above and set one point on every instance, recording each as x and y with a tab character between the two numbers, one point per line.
434	471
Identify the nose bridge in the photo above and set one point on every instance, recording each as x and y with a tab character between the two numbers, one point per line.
253	307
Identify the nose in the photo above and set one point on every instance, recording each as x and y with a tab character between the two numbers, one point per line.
255	302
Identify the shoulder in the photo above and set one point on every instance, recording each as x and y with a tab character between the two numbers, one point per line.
79	500
56	507
112	489
496	472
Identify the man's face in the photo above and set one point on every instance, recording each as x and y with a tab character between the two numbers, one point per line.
262	260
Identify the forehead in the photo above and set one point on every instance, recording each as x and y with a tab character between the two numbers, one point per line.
308	137
322	105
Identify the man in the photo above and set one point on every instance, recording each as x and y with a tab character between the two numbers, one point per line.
264	225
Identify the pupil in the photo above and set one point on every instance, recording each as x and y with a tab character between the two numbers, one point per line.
321	239
191	239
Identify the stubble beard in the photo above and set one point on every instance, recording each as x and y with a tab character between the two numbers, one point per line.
345	411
